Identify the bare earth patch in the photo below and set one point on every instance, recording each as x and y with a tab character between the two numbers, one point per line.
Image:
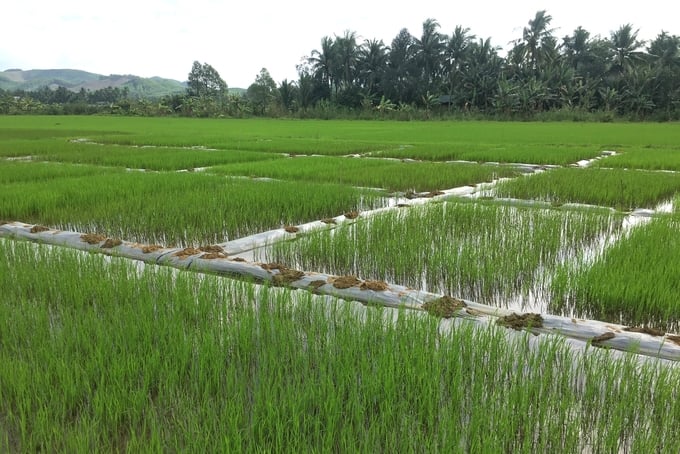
328	221
147	249
597	340
286	276
213	256
352	214
444	307
187	252
644	330
291	229
317	283
213	249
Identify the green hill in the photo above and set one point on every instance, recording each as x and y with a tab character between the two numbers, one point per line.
73	79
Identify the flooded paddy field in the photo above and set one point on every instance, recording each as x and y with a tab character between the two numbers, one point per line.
535	278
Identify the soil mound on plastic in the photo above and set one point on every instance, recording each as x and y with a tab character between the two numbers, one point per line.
521	321
317	283
328	221
673	338
444	307
39	228
111	243
213	256
286	276
92	238
377	286
3	222
273	266
187	252
352	214
644	330
149	248
343	282
212	249
431	194
239	259
291	229
602	337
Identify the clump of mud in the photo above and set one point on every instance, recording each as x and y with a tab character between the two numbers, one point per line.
273	266
403	205
377	286
597	340
343	282
212	249
92	238
317	283
3	222
673	338
148	248
286	276
644	330
187	252
213	256
352	214
291	229
39	228
521	321
328	221
431	194
239	259
111	243
444	307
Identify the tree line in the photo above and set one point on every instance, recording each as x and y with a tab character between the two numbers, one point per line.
458	74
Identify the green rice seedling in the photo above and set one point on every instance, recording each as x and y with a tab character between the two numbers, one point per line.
617	188
648	158
171	208
635	281
171	361
375	173
484	252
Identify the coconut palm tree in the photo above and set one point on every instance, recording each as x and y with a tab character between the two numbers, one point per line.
429	51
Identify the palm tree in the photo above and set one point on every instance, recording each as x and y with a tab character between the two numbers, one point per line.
456	61
372	63
536	38
401	69
324	62
429	50
346	52
625	49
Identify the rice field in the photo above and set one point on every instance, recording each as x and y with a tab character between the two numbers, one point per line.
155	359
145	357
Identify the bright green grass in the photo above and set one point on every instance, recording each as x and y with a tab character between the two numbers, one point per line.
635	282
100	356
377	173
23	171
167	208
343	137
667	158
617	188
482	252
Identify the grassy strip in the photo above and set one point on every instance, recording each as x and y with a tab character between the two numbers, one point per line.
483	252
621	189
100	356
495	152
667	158
376	173
635	282
27	172
179	209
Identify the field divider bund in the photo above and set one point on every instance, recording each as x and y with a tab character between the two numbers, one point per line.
590	332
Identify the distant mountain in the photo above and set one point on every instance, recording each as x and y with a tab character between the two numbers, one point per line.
73	79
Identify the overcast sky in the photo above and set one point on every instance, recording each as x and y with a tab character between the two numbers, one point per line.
164	37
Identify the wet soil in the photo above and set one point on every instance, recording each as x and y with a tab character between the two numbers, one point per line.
286	276
328	221
377	286
291	229
3	222
317	283
521	321
111	243
444	307
147	249
187	252
214	255
431	194
602	337
239	259
644	330
343	282
352	214
273	266
212	249
39	228
673	338
92	238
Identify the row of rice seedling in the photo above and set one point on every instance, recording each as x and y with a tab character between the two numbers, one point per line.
171	208
617	188
489	253
634	282
376	173
22	171
649	158
529	153
100	355
150	158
